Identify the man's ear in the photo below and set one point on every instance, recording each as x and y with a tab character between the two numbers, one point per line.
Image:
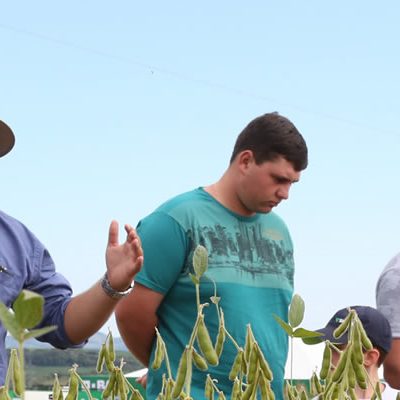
371	357
245	158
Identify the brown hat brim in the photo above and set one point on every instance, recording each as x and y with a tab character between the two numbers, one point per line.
7	139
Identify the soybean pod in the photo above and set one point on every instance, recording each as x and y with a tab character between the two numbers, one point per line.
109	363
326	361
360	373
249	343
181	374
205	344
17	373
111	349
343	326
199	361
73	386
263	387
4	393
237	365
264	364
377	392
271	394
253	364
219	343
56	388
248	391
110	385
209	389
351	376
100	359
316	384
366	342
159	353
340	368
236	390
352	393
122	386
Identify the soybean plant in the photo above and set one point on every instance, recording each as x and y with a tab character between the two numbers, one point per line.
250	371
117	385
26	314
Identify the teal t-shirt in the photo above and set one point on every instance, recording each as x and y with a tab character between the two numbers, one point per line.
251	263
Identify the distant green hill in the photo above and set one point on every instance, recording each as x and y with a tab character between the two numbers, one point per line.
42	363
94	343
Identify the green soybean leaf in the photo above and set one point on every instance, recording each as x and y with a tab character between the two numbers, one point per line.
286	327
28	308
39	332
305	333
296	311
9	321
313	339
200	260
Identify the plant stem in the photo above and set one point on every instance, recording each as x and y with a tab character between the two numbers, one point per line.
291	360
22	365
84	386
198	296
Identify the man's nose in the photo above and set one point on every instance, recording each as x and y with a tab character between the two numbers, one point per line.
283	192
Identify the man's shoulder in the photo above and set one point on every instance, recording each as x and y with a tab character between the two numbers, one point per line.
12	223
391	272
182	201
12	229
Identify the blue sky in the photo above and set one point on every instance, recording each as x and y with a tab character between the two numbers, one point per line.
119	106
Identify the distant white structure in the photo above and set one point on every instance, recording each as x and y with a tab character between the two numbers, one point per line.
37	395
136	374
306	359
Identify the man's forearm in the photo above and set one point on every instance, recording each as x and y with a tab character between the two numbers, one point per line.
87	313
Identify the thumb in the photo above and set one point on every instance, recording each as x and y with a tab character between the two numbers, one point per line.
113	234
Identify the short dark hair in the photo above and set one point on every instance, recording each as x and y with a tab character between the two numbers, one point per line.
270	136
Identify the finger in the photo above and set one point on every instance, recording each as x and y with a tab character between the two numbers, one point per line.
128	228
137	247
132	236
113	234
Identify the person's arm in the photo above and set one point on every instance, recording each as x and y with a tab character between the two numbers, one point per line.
136	319
387	301
165	247
391	365
87	312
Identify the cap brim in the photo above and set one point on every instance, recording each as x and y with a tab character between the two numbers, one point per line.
7	139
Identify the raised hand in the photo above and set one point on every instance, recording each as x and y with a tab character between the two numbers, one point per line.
125	260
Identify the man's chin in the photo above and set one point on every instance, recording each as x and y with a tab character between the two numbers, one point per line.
265	209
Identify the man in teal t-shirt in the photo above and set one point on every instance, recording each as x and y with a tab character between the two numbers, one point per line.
250	259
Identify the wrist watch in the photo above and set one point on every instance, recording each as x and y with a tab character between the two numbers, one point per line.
115	294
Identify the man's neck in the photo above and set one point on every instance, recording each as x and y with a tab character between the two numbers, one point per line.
223	191
372	379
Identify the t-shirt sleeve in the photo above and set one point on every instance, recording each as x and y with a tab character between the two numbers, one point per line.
165	247
388	294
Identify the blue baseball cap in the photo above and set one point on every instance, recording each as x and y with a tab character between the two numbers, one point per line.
375	324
